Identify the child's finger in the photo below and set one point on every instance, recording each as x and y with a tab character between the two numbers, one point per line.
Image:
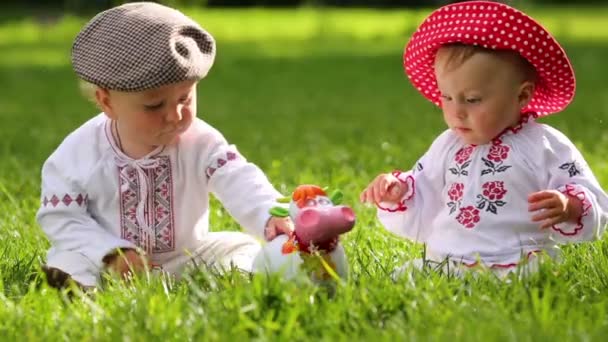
544	215
551	222
538	196
375	194
286	226
380	192
269	233
386	185
542	204
364	197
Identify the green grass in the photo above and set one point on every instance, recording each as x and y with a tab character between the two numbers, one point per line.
311	97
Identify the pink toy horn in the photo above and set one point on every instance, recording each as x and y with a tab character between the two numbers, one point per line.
319	224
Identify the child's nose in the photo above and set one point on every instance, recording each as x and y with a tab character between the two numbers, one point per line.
175	115
458	111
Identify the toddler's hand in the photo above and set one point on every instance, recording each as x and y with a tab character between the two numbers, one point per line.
277	226
385	188
554	207
125	263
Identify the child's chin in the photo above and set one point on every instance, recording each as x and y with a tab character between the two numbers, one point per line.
473	141
173	140
170	140
470	140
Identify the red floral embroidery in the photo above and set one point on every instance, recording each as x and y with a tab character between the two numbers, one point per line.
455	194
498	152
464	154
463	160
492	194
468	216
230	156
494	190
495	159
80	200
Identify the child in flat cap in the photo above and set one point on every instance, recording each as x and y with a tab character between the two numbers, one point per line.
130	188
496	188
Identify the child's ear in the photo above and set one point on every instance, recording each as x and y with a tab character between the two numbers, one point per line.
526	91
102	97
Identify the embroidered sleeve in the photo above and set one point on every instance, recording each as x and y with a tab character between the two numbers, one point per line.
63	216
570	174
405	178
412	216
241	187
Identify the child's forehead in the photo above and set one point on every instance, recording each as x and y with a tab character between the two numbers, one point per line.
479	62
170	89
478	73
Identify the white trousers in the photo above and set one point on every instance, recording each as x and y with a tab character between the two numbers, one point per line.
458	269
218	250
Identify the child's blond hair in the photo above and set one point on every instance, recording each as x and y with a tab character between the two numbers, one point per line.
88	90
458	53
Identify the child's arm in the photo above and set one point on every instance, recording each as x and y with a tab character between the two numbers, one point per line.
63	216
573	205
412	214
241	187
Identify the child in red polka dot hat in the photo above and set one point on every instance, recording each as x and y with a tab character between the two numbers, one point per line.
496	188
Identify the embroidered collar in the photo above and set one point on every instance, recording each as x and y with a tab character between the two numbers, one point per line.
523	120
118	151
126	165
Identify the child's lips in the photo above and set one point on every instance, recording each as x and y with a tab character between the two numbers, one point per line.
177	130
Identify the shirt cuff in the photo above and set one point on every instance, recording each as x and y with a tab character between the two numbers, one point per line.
405	178
571	229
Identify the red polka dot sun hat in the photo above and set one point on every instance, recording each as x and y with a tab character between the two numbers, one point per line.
493	26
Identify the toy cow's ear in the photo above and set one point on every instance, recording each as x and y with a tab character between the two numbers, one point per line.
279	212
336	197
284	200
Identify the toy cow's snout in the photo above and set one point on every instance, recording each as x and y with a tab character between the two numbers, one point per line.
319	224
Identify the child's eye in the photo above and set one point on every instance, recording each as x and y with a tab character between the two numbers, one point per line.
445	98
154	107
185	99
473	100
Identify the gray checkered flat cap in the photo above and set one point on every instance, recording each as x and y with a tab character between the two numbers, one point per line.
140	46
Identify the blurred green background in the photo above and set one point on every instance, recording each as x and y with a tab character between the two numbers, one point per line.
100	4
313	93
